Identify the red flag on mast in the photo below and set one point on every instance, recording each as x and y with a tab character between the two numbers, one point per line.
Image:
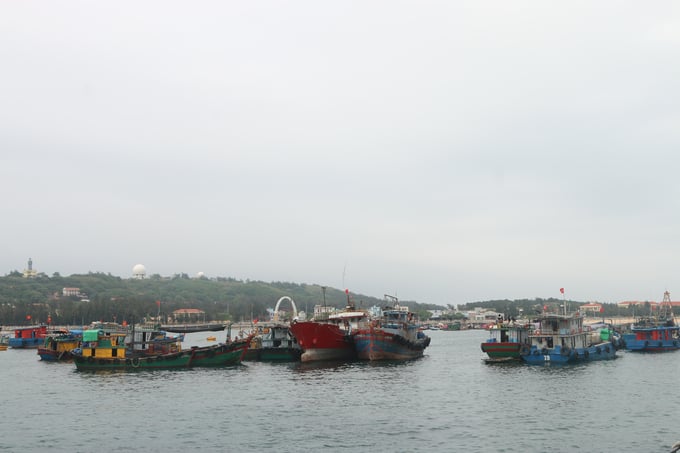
562	290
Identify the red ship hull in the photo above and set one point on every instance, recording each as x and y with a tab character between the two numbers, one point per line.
321	341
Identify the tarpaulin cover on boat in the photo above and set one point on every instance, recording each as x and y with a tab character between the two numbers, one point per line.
91	335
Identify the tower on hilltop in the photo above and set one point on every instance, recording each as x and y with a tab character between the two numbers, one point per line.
30	272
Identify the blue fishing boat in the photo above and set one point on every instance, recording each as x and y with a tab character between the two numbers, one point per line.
562	338
657	333
28	337
393	336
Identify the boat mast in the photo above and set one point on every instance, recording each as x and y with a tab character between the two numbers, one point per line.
667	307
393	300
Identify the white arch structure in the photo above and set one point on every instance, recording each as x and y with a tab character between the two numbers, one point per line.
276	309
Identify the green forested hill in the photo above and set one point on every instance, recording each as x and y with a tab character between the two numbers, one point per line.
111	298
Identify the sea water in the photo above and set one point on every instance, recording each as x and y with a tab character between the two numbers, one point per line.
449	400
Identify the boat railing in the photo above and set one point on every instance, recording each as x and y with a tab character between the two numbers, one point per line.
562	332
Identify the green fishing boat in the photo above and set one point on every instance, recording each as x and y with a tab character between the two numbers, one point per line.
274	344
107	351
101	351
230	353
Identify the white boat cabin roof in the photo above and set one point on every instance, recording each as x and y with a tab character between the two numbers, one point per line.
348	315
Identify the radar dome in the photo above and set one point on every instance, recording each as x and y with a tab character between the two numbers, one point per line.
139	271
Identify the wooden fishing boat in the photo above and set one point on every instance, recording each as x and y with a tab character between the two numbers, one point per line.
274	344
222	354
4	342
109	351
507	340
101	351
190	328
58	345
394	336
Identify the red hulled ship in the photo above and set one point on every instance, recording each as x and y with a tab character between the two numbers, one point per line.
332	338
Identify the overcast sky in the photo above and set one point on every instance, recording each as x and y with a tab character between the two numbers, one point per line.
442	151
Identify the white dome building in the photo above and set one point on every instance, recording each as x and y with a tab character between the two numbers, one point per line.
139	272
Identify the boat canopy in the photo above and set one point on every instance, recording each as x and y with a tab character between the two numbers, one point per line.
348	314
92	335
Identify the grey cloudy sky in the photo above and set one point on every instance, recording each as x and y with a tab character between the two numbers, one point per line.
442	151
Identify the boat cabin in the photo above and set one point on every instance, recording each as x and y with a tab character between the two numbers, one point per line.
349	320
508	333
30	332
97	344
63	341
656	333
152	341
560	330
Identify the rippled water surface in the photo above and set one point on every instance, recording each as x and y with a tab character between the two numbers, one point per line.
447	401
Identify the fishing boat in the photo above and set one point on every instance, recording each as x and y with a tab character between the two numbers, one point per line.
147	338
274	344
452	326
393	336
507	340
58	345
608	332
109	351
222	354
4	342
562	338
656	333
331	338
28	337
191	328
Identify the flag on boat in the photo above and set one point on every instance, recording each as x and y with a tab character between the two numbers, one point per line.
562	290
